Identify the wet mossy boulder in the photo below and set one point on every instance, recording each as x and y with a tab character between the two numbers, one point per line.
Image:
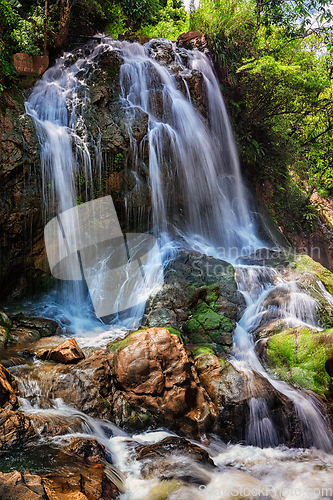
199	298
302	357
206	325
304	264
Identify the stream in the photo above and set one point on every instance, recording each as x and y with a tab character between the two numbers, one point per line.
198	201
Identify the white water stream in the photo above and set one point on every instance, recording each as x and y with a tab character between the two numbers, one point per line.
198	163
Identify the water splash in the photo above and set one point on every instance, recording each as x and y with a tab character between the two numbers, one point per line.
258	285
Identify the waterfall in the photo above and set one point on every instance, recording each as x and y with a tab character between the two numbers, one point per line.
198	197
296	308
189	159
197	194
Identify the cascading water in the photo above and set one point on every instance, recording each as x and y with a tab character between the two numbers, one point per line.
189	160
198	198
258	284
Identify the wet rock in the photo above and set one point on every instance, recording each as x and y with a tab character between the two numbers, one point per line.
174	446
232	392
192	40
299	356
270	329
85	448
70	383
7	393
199	297
266	257
18	486
16	430
67	352
26	329
152	370
161	50
192	81
90	484
22	267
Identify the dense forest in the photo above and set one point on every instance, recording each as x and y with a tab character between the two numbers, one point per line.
274	62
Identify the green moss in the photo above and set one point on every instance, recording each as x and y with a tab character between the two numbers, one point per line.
207	326
120	344
202	350
173	331
304	263
298	356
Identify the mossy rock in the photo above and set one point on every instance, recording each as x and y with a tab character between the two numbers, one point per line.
304	263
121	343
206	326
201	351
300	356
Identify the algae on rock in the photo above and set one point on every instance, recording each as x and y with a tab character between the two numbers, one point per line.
299	356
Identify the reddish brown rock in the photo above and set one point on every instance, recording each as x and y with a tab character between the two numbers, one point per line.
18	486
152	369
16	430
232	391
7	394
90	484
192	40
28	65
67	352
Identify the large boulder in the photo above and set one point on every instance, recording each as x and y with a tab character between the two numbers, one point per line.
302	357
153	371
199	298
26	329
16	430
68	352
17	486
233	393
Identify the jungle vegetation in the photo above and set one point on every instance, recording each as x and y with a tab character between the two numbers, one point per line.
275	63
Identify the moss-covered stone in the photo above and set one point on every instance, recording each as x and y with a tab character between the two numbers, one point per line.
206	326
173	331
299	355
201	351
304	263
121	343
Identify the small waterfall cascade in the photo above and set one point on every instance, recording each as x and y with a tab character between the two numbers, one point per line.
198	200
197	193
269	297
189	159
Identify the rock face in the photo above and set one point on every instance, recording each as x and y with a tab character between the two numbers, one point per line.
7	394
18	486
234	392
199	298
92	484
16	430
22	266
192	40
67	352
301	357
